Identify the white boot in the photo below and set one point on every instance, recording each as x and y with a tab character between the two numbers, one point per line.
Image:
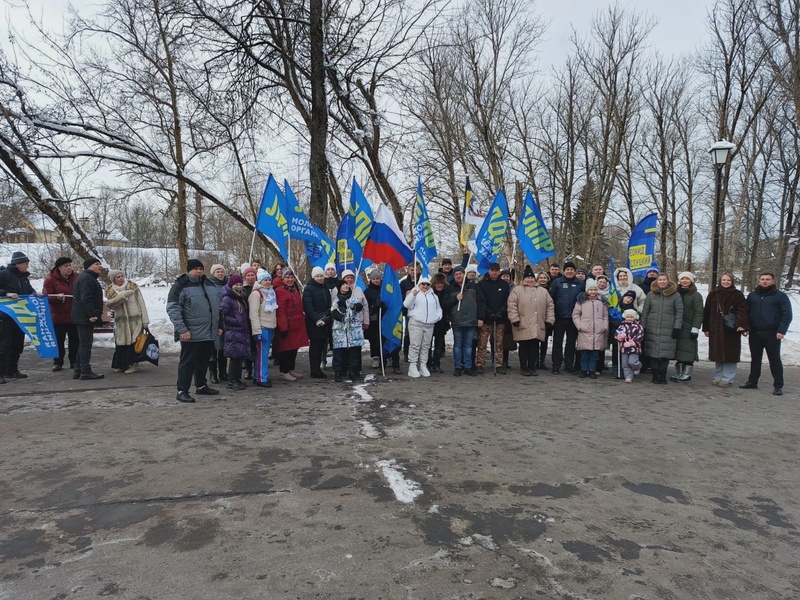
413	371
423	370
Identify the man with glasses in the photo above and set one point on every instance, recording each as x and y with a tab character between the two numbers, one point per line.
193	308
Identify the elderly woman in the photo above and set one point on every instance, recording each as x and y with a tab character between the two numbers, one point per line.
218	366
662	318
724	345
530	309
130	318
235	323
290	334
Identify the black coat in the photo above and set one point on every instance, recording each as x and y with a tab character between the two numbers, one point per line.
88	298
373	296
12	281
316	306
769	310
493	300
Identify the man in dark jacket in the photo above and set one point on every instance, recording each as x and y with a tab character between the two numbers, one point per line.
376	311
564	290
440	329
87	309
317	308
58	287
193	308
770	312
13	284
462	308
492	311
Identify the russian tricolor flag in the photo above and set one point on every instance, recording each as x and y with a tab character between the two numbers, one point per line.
386	243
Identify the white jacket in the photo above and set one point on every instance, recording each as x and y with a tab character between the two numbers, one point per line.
424	307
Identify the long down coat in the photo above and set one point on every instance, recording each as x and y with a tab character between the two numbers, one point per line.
235	320
590	316
662	312
532	307
290	333
686	348
725	346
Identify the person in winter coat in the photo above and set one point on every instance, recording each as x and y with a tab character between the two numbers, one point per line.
543	278
193	308
87	310
686	345
130	318
629	336
662	318
462	307
564	291
218	366
440	329
317	309
58	288
509	345
530	309
590	317
646	282
624	282
724	346
13	284
408	283
770	314
235	324
493	306
263	307
424	311
291	332
348	331
376	311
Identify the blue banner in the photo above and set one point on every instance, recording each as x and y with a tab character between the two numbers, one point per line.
492	234
353	231
392	321
642	246
424	242
534	241
613	294
271	219
32	316
321	252
319	247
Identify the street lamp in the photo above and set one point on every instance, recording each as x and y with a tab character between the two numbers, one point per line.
719	156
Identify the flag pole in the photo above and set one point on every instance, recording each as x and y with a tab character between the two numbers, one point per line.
464	281
252	245
380	338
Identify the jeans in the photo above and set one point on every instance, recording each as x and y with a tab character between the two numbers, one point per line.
760	341
589	360
462	347
347	361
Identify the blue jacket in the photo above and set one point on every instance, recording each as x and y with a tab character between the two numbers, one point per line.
564	293
769	309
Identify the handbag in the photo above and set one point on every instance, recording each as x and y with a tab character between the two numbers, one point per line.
728	319
149	351
140	341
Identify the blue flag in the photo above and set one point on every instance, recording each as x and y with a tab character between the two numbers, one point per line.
353	231
322	251
492	234
613	298
424	243
32	316
271	219
392	321
319	247
642	246
534	241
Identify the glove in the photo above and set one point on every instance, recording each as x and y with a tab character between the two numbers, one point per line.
257	337
548	328
675	333
695	336
284	334
515	323
342	305
357	306
321	323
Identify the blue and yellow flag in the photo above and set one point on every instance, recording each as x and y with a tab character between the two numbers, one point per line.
353	231
32	316
534	241
392	320
612	297
424	243
642	246
271	219
319	247
492	234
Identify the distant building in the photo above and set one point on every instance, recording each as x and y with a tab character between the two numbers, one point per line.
40	229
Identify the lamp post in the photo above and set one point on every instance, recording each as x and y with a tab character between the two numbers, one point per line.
719	156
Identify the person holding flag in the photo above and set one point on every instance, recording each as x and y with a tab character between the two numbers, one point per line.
391	319
492	234
461	303
424	242
13	284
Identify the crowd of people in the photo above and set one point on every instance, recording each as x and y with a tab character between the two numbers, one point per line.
230	326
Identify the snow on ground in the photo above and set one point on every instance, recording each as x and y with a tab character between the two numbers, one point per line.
405	490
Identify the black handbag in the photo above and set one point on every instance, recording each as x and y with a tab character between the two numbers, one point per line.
728	319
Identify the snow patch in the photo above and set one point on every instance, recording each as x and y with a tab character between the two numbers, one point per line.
405	490
361	391
369	430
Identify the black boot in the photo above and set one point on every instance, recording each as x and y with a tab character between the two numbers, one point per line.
222	368
337	377
656	376
662	377
212	372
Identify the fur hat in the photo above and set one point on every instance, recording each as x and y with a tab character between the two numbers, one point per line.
64	260
317	272
439	278
630	313
688	274
569	264
234	279
90	261
18	258
347	272
215	267
528	272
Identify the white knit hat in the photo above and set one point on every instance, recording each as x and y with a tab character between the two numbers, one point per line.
689	275
317	271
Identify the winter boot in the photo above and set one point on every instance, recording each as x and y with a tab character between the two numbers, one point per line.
656	376
687	373
337	377
212	372
222	369
679	367
662	377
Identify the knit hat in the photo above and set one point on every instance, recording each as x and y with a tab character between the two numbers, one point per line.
630	294
249	270
471	269
263	276
630	313
215	267
347	272
569	264
423	280
528	272
112	273
18	258
375	274
688	274
234	279
653	270
90	261
287	271
64	260
317	272
505	272
330	266
494	266
243	267
591	286
458	269
192	263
